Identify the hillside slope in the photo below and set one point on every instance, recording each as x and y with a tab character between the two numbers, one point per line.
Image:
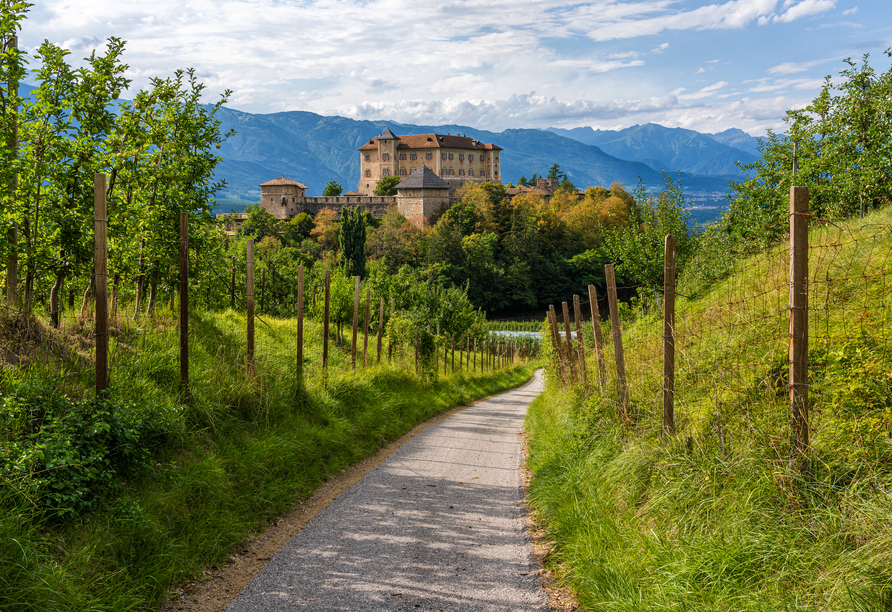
724	515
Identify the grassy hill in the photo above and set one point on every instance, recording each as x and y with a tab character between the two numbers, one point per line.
724	515
111	505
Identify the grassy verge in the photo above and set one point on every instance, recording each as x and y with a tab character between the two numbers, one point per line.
107	506
722	516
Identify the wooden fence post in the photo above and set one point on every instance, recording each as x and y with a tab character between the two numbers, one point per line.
416	351
380	329
475	355
556	341
622	389
468	353
599	340
249	287
389	342
184	304
580	342
445	353
669	337
300	322
325	321
453	353
799	210
355	322
365	342
565	312
100	237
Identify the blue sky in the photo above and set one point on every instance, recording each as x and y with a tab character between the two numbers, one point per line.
493	64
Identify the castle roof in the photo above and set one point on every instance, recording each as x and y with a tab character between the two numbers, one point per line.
433	141
283	181
388	135
423	178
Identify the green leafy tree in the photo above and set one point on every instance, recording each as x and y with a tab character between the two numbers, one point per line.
259	224
386	185
639	248
298	229
555	173
351	240
332	189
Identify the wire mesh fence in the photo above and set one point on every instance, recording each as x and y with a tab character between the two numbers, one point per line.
733	340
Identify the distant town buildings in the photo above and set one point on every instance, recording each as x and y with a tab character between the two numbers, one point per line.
456	159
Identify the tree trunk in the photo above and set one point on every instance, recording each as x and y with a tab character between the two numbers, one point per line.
85	297
55	314
114	304
153	294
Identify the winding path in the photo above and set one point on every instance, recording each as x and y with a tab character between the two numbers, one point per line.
440	525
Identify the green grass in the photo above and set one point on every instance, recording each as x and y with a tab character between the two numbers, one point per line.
644	525
249	445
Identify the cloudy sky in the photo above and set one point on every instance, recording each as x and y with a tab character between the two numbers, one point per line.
490	64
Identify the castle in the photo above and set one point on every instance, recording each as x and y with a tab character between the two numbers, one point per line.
455	159
434	166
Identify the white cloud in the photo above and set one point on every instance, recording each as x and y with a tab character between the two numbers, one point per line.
794	67
376	57
806	8
850	11
706	92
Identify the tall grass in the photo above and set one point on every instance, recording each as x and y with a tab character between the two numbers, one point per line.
248	444
722	516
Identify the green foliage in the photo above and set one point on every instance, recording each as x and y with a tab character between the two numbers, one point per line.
65	456
640	249
332	189
555	173
351	240
386	185
841	146
259	224
298	229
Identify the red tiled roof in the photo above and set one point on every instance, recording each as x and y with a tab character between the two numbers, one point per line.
282	181
434	141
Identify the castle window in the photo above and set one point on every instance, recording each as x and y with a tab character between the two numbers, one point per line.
451	171
470	157
366	157
450	156
402	156
461	172
471	172
403	171
413	156
442	155
429	155
386	156
443	172
386	171
368	173
461	157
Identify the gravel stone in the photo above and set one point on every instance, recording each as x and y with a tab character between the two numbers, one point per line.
440	525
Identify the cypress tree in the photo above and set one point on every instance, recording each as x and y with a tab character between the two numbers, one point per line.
351	239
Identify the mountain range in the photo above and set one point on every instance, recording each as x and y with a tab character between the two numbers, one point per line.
315	149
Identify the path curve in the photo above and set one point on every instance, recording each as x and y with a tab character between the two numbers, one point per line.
439	525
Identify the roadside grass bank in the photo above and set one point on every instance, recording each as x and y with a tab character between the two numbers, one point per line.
723	516
109	505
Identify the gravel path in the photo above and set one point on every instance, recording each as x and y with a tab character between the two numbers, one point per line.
440	525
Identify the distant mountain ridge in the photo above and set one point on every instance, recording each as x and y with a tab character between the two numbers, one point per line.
316	149
672	149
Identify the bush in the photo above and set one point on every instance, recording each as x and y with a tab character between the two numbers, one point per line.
64	455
